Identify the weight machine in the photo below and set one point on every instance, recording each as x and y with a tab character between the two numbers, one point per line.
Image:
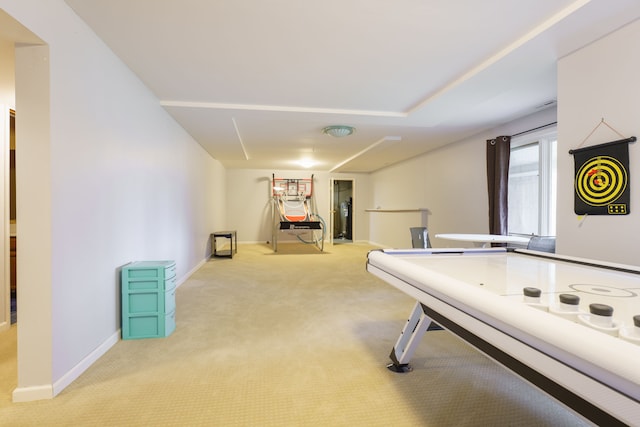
294	211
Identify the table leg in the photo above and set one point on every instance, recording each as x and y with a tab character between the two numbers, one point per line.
409	339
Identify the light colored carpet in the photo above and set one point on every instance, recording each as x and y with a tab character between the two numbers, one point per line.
283	339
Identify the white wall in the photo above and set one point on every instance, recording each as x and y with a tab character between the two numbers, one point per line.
7	79
105	177
33	217
596	82
249	201
451	182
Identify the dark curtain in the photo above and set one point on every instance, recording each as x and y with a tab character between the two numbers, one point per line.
498	152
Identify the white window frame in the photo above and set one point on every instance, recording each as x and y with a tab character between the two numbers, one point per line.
547	184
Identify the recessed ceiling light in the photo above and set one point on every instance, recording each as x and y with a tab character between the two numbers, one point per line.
306	163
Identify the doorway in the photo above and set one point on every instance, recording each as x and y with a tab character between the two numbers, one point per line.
12	217
7	215
342	211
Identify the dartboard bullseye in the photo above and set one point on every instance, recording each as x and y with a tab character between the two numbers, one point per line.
601	180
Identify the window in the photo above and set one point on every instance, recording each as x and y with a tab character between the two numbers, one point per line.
532	184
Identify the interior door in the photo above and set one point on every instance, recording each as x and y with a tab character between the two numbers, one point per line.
5	310
342	218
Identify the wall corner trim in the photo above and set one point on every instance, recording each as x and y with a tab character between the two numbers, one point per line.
28	394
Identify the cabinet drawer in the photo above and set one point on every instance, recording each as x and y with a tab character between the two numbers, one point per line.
143	327
170	284
149	270
170	301
170	271
136	285
169	323
145	302
143	273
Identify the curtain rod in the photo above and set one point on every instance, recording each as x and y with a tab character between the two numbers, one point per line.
531	130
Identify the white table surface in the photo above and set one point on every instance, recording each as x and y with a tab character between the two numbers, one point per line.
481	290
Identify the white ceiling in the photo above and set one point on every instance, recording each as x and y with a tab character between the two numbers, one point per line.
255	82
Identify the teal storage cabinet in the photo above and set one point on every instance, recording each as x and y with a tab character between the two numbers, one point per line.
148	299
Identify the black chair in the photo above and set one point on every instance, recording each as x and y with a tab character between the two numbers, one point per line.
420	238
542	244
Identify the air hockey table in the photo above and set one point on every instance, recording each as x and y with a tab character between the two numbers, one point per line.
569	326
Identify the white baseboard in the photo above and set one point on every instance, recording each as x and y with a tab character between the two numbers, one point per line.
85	363
49	391
28	394
190	272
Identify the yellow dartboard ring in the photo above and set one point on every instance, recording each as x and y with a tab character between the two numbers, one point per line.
601	181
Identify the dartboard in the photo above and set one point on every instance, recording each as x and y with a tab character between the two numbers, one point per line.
601	180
